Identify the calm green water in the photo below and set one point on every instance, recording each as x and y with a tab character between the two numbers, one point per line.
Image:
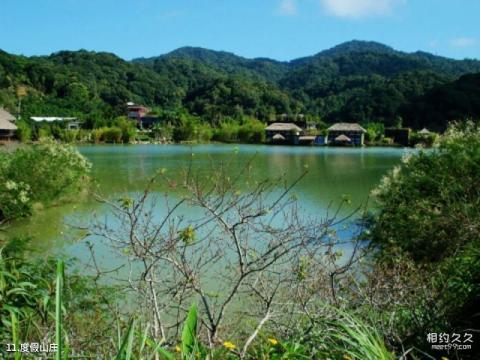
333	173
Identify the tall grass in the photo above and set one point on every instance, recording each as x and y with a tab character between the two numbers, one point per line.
144	349
58	309
15	335
189	332
357	339
345	337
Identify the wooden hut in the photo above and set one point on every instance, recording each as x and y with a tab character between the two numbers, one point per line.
289	131
346	133
307	139
7	127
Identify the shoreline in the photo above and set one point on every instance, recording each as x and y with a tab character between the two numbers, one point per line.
14	144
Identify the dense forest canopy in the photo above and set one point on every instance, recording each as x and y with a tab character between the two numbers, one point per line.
355	81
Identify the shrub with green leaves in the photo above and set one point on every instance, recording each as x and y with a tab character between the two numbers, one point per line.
29	299
429	206
428	212
24	132
112	135
127	127
38	174
251	131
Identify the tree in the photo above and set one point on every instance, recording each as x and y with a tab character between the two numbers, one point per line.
127	127
39	174
427	227
246	258
429	204
24	132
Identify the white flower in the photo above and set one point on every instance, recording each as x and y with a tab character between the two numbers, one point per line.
10	185
23	197
375	192
407	157
395	172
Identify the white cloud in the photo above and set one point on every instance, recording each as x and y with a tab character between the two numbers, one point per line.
463	42
356	9
288	8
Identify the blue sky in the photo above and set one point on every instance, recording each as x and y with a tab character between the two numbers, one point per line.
279	29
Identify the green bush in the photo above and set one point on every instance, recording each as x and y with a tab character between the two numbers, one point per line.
374	132
185	131
428	212
15	200
44	133
97	135
24	132
68	136
112	135
204	133
387	141
427	140
27	293
39	173
251	131
226	132
161	132
143	136
23	286
429	205
128	128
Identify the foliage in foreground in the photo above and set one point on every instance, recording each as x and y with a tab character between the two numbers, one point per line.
28	299
38	174
427	228
429	206
346	336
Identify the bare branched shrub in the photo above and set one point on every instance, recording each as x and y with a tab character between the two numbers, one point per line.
244	251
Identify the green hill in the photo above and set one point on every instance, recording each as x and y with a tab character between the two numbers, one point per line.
457	100
224	62
355	81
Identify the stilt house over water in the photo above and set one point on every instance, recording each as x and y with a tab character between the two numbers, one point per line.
288	133
346	134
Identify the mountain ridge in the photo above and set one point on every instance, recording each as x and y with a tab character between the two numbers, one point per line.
356	81
342	48
274	70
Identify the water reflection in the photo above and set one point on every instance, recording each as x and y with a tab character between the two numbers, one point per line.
333	172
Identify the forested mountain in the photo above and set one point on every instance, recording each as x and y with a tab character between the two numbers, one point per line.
225	62
384	53
355	81
457	100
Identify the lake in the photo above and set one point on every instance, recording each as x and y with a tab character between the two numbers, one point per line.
117	169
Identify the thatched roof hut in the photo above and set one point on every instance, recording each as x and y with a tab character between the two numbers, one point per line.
351	133
6	120
307	138
283	127
7	127
278	137
347	127
342	139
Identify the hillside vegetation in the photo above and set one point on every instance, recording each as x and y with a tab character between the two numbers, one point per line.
355	81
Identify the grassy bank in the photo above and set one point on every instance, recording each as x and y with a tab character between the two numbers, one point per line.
188	129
